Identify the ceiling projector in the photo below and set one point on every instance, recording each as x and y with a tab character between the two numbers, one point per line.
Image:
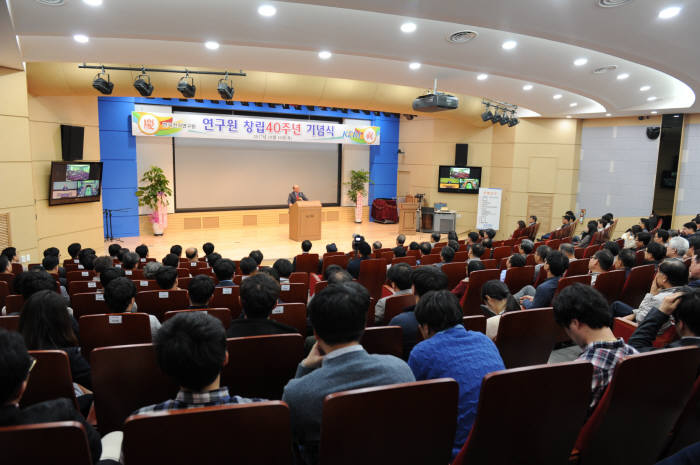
435	101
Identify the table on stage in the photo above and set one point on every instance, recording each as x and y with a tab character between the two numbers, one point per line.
305	221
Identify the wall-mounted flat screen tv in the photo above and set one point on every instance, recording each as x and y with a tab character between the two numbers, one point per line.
75	182
459	179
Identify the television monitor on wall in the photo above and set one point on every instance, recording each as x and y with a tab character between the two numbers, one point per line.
75	182
459	179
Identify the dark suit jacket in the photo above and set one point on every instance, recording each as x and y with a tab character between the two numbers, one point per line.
544	294
644	335
293	198
48	411
244	327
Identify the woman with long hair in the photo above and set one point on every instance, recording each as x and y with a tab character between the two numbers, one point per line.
587	235
520	231
497	300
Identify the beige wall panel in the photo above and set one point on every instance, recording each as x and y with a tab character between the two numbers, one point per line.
416	130
45	138
16	184
503	134
92	238
692	119
13	92
73	110
460	132
518	205
678	221
65	219
41	170
349	93
91	144
542	175
561	204
22	227
480	154
290	88
566	182
500	178
547	131
14	134
502	155
622	121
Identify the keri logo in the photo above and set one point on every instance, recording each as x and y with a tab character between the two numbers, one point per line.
369	135
148	124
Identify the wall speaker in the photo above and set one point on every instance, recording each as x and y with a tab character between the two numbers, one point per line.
653	132
461	151
72	142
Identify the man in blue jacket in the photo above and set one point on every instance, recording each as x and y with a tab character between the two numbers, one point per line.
295	195
555	265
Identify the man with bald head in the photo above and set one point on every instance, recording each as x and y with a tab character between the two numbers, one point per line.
191	254
295	195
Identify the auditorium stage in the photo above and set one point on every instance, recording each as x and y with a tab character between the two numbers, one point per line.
234	237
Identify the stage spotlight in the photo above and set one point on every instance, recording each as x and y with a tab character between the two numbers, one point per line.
504	119
144	86
225	88
105	86
487	115
496	118
186	86
513	120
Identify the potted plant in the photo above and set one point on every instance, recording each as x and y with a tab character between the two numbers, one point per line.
357	191
154	194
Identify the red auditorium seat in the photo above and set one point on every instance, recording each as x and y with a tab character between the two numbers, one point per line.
624	328
373	276
57	443
227	297
50	378
4	292
300	277
410	260
307	262
395	305
455	273
293	293
158	302
13	303
9	278
577	267
461	256
146	285
81	287
687	428
134	274
291	314
17	268
9	322
471	301
88	303
519	277
568	281
526	337
590	250
113	330
386	340
340	260
502	252
475	323
610	284
430	259
221	314
82	275
490	264
637	285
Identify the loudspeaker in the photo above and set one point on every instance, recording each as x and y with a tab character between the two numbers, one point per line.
461	151
653	132
72	142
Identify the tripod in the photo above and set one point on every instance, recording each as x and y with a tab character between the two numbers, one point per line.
109	231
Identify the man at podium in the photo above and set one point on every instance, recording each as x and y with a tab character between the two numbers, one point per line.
295	195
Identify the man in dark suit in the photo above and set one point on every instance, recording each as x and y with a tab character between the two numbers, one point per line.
295	195
555	265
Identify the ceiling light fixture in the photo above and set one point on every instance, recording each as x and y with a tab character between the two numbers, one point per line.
81	38
580	61
408	27
225	88
414	66
527	87
651	99
573	104
622	76
557	96
211	45
143	86
568	116
324	54
608	114
509	45
93	2
105	86
670	12
186	86
654	112
644	88
482	77
267	10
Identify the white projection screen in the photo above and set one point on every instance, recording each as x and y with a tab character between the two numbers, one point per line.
219	173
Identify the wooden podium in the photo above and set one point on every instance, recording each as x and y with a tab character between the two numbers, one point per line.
407	217
305	221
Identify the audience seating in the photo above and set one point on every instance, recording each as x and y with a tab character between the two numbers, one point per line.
245	434
590	250
471	301
526	337
134	274
637	285
503	263
610	284
430	259
9	322
300	277
519	277
687	429
88	303
577	267
632	420
8	278
146	285
387	340
126	378
569	280
113	330
291	314
399	431
475	323
502	252
340	260
158	302
319	286
260	366
624	328
81	287
14	303
396	304
227	297
578	253
461	256
540	424
55	443
639	258
455	273
68	267
221	314
541	277
50	378
410	260
413	253
386	255
307	262
4	292
490	264
530	259
293	293
82	275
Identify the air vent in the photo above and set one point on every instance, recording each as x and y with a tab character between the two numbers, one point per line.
51	2
612	3
462	37
605	69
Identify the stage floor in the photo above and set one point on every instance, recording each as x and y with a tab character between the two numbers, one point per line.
273	241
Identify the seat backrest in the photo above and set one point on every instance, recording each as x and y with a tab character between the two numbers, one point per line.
158	302
590	250
610	284
502	252
475	323
126	378
300	277
577	267
81	287
81	275
4	292
530	259
413	253
526	337
386	340
50	378
373	275
471	302
556	395
410	260
639	258
455	273
490	264
519	277
569	280
541	277
319	286
293	293
246	434
395	305
340	260
88	303
14	303
260	366
291	314
461	256
227	297
183	272
57	443
113	330
637	285
430	259
134	274
640	406
390	412
306	262
145	285
221	314
687	429
9	322
387	255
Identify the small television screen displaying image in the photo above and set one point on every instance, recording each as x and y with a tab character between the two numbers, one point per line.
459	179
72	182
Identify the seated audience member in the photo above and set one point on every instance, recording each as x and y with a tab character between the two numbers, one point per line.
50	264
208	248
142	252
526	247
200	291
123	251
644	223
191	253
130	260
29	282
5	265
677	247
399	252
284	268
331	248
424	279
689	229
414	246
399	277
475	252
336	275
271	272
600	262
176	250
447	254
661	236
627	260
473	238
248	267
100	264
583	313
488	241
434	239
460	289
642	240
212	258
15	368
532	220
630	237
425	249
166	277
257	256
602	224
259	296
87	260
224	270
568	250
454	244
11	254
496	300
120	297
151	269
654	254
514	261
191	349
74	250
337	362
376	245
591	229
520	231
555	266
684	306
452	236
670	277
365	253
694	271
564	224
540	257
400	240
613	248
110	274
113	250
171	260
448	350
53	251
305	248
693	246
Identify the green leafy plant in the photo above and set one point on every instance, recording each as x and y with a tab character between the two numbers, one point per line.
358	179
155	184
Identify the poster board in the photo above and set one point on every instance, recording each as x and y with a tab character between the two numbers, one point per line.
488	215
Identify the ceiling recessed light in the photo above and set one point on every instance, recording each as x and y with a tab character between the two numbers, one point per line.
651	99
509	45
324	54
670	12
81	38
414	66
408	27
608	114
267	10
580	61
676	116
568	116
573	104
556	96
622	76
527	87
482	77
654	112
644	88
211	45
93	2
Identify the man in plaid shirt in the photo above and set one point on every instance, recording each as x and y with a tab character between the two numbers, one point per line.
583	313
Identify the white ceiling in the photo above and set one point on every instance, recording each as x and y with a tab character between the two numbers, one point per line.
368	45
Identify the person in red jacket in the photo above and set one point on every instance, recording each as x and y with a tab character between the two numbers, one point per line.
520	231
